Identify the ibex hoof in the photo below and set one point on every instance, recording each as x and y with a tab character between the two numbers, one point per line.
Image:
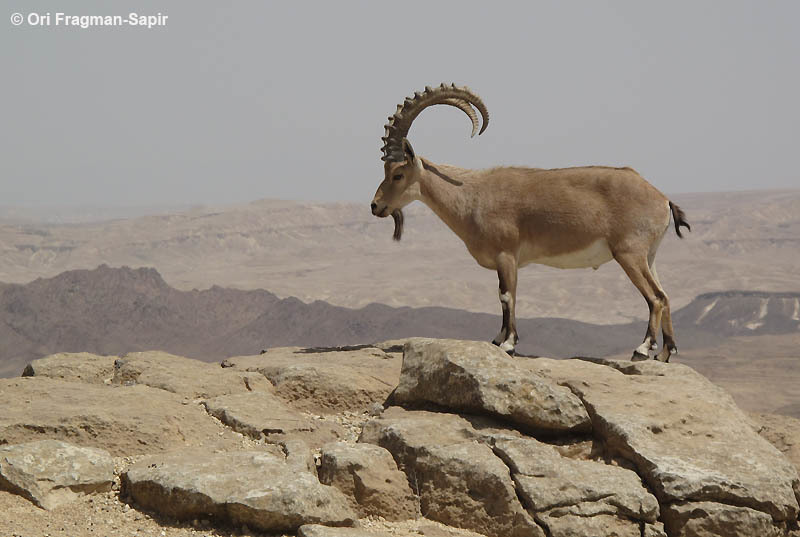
639	357
508	347
665	354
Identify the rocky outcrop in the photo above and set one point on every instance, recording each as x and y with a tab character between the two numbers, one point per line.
317	530
782	432
124	420
459	480
73	366
263	415
556	489
184	376
253	488
368	476
51	472
680	440
712	519
471	438
310	380
477	377
686	437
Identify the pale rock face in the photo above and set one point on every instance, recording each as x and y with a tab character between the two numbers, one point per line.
709	519
459	480
368	476
582	526
516	447
782	432
685	435
125	420
73	366
254	488
51	473
550	483
263	415
316	530
183	376
310	381
478	377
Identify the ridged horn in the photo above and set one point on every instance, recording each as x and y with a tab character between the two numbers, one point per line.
400	123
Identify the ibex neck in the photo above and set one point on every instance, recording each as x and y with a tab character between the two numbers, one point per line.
443	190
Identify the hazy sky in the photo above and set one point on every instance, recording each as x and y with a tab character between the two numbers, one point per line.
236	101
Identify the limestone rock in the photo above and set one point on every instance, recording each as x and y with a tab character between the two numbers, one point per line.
184	376
51	472
263	415
316	530
298	455
252	488
782	432
709	519
125	420
559	487
654	530
459	480
598	525
368	476
477	377
326	381
74	366
686	436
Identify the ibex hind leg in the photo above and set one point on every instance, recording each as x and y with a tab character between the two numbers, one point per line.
668	348
638	270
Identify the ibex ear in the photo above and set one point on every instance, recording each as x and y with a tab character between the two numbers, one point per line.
408	150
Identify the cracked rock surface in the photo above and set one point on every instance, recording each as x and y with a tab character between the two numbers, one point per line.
51	472
477	377
471	442
255	488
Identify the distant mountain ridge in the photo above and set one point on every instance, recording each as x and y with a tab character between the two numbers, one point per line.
340	253
118	310
744	312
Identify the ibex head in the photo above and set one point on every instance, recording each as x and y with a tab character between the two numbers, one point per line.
402	167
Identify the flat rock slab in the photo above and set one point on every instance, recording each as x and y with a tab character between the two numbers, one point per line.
687	438
477	377
123	420
317	530
51	472
459	480
368	476
710	519
263	415
782	432
599	525
253	488
184	376
320	380
74	366
554	486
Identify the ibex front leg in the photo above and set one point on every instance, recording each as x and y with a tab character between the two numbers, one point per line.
507	275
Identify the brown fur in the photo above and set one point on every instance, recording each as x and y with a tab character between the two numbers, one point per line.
510	216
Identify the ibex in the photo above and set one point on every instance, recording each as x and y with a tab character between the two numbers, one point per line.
511	217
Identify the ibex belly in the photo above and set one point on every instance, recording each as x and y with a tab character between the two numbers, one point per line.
593	255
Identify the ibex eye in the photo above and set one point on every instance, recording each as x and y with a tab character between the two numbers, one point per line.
398	177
